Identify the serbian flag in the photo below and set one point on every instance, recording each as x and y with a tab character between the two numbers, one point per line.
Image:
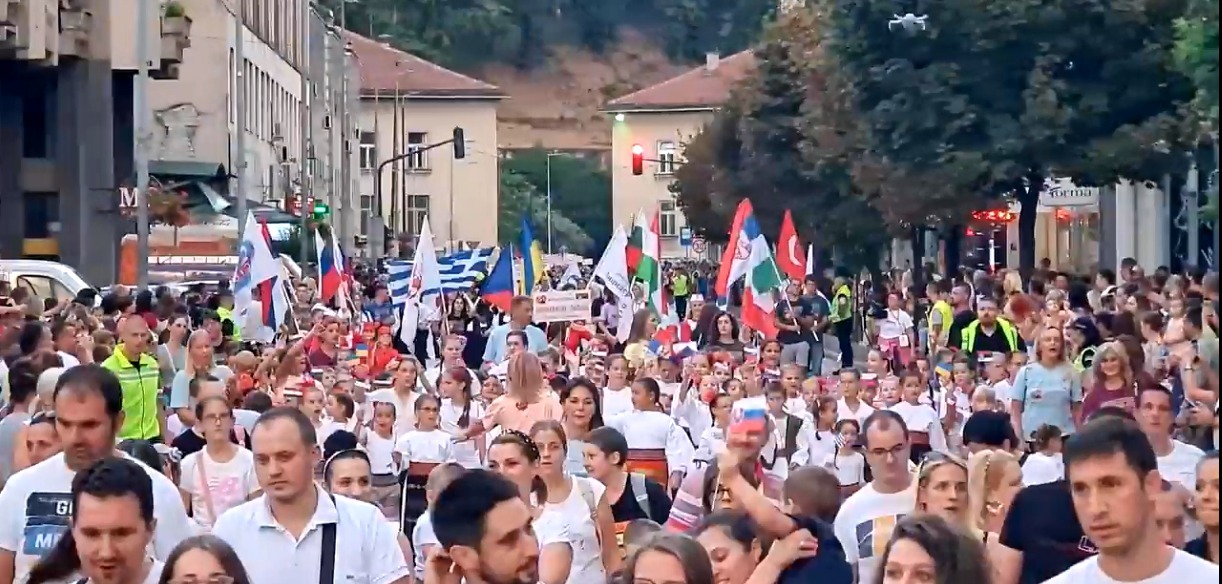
272	296
330	266
498	287
789	251
743	231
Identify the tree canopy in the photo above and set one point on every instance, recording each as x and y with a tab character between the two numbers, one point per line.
520	198
1196	53
581	191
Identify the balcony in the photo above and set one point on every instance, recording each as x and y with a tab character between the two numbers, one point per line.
8	25
29	30
175	40
75	26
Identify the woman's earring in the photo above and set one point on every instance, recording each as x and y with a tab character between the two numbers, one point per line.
993	507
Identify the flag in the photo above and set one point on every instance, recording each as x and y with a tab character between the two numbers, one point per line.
762	279
424	297
256	264
743	231
612	269
533	270
459	272
635	243
273	294
498	288
571	276
330	265
649	269
787	250
810	259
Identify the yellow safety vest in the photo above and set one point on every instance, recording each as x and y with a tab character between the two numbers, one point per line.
1007	329
842	304
226	315
942	307
141	386
1085	359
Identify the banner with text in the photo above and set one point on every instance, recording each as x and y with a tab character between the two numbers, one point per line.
562	305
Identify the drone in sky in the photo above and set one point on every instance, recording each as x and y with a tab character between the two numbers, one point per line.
908	22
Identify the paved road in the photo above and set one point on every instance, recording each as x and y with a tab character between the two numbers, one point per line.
831	359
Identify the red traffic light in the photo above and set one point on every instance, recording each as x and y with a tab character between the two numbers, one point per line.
638	159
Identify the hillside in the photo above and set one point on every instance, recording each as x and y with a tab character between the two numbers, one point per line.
556	105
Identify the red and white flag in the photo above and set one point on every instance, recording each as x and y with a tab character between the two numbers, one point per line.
789	256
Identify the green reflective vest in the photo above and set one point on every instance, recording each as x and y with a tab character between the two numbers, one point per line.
842	304
141	387
226	315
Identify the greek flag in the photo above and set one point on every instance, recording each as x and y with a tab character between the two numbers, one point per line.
458	272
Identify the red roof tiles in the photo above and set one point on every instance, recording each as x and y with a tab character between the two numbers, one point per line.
384	69
704	87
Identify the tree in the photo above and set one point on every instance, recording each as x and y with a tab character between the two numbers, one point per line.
581	191
518	198
1196	54
997	97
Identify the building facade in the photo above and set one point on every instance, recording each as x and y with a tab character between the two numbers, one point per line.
406	105
66	81
661	119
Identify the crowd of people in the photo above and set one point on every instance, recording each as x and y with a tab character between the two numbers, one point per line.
1000	431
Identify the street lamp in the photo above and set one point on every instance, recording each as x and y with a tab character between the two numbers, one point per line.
549	197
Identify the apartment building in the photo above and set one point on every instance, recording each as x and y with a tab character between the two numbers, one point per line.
660	119
407	104
66	80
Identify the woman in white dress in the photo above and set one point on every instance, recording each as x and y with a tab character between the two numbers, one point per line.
516	457
583	504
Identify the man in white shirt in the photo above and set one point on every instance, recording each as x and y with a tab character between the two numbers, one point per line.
1113	476
1177	461
296	531
37	502
868	517
485	528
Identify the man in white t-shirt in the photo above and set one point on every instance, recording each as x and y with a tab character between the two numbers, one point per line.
1113	475
37	502
1177	461
866	520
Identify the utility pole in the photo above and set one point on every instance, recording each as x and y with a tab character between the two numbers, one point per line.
306	121
239	142
140	119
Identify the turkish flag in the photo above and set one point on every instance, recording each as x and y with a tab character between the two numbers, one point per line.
790	256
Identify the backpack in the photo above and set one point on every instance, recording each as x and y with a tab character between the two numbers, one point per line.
637	480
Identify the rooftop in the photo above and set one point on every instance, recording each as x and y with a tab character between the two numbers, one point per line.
386	70
702	88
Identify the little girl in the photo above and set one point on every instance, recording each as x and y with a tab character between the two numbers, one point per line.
379	442
341	415
824	443
791	382
312	405
420	451
924	424
847	463
457	411
1045	464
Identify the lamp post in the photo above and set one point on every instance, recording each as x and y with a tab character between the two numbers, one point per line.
549	198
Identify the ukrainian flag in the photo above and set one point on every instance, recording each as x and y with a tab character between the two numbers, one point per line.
532	259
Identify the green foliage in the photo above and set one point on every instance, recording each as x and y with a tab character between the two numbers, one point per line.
468	33
998	96
1196	54
581	191
520	198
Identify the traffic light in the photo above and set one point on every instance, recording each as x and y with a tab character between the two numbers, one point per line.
460	144
638	159
321	210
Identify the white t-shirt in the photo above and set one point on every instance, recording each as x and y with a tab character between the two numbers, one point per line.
433	447
1184	568
551	527
422	535
616	402
582	527
68	359
465	453
1180	465
843	412
153	577
850	469
405	408
895	325
865	524
229	483
380	450
1001	389
37	504
1041	469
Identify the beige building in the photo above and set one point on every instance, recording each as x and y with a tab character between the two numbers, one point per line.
407	104
661	119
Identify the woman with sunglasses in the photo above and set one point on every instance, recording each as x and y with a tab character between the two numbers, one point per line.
203	559
941	489
222	475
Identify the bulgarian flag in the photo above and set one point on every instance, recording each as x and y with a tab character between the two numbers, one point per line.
636	242
762	279
649	267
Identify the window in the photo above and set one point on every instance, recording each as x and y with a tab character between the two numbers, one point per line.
666	157
369	151
41	211
417	160
367	202
417	210
667	219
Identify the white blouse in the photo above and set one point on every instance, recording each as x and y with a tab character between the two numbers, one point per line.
426	446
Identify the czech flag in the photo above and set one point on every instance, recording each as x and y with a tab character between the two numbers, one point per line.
330	266
498	286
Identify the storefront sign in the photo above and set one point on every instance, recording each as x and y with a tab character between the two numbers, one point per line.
562	305
1063	192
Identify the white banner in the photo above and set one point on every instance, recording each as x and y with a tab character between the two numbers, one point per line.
562	305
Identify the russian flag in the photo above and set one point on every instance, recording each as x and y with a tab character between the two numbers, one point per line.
330	266
749	415
498	287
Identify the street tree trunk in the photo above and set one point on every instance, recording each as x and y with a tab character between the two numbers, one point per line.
1029	199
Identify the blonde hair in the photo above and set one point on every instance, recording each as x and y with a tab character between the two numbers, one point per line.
1012	283
1116	350
925	471
525	373
1039	349
985	470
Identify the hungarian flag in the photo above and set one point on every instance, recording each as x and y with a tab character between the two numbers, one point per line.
649	267
734	260
789	252
763	279
636	242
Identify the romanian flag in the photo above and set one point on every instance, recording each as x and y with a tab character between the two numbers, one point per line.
498	287
533	270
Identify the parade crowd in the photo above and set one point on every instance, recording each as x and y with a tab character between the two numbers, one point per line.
999	430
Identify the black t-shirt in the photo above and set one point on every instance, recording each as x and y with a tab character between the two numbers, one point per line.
800	309
1043	526
957	324
627	509
995	343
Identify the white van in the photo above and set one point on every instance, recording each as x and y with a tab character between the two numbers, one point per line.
43	279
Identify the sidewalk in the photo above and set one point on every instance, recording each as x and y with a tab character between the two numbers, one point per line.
831	358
